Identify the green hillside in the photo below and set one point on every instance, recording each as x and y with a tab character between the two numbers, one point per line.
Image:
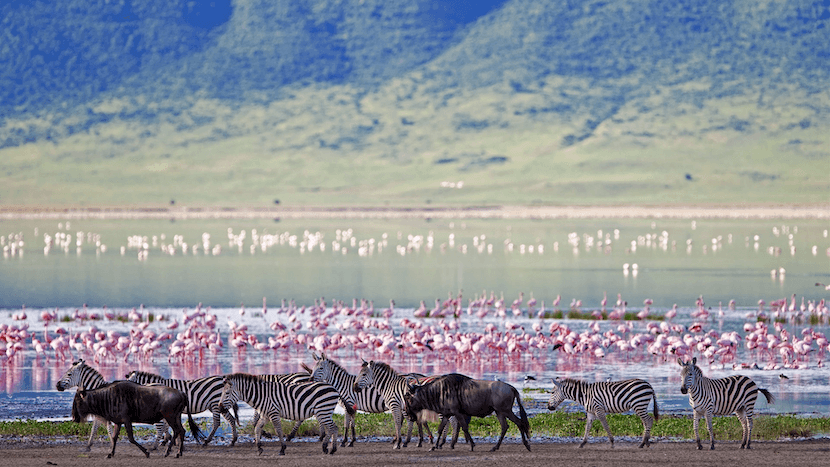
374	103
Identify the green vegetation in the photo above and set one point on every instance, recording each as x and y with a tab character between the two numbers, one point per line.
775	427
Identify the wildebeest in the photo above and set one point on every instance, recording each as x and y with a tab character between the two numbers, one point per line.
463	397
126	402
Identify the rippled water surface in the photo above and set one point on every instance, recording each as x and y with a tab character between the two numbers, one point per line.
123	265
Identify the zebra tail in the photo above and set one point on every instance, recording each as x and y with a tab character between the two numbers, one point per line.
656	412
525	426
768	395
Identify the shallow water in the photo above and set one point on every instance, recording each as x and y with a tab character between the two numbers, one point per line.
677	262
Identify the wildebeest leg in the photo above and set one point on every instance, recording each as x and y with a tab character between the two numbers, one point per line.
588	424
524	433
503	423
440	439
175	423
129	428
115	434
464	421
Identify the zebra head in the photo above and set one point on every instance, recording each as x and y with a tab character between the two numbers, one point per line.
322	371
72	377
230	393
688	374
132	376
557	395
366	377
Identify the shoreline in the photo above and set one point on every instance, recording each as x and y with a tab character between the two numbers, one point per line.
812	212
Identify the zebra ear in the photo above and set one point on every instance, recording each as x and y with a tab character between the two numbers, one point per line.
556	382
680	361
694	360
323	356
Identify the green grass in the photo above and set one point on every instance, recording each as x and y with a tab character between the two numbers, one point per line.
766	427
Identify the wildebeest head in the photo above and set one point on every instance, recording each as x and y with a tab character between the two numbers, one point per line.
80	407
412	402
688	374
557	395
366	377
72	377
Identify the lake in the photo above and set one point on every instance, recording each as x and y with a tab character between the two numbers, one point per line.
165	269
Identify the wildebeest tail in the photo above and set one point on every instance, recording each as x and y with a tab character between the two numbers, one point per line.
525	426
194	428
768	395
656	412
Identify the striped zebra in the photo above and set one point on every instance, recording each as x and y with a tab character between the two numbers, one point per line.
607	397
287	378
734	394
328	371
392	387
274	400
84	376
203	394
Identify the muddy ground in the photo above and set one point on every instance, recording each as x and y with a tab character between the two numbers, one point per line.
67	453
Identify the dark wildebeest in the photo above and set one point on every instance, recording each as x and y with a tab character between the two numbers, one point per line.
463	397
126	402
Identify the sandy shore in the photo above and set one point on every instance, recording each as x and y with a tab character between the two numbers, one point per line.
371	454
446	212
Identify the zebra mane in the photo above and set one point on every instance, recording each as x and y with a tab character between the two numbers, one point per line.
336	366
82	366
384	367
147	374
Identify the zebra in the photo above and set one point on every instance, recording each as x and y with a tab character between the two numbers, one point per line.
275	400
607	397
202	394
393	387
328	371
85	377
288	378
722	396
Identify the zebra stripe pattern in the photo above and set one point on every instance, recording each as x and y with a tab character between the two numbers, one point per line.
286	378
608	397
392	387
203	394
328	371
723	396
274	400
84	376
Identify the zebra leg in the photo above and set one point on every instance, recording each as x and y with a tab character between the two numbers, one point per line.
456	428
588	423
410	424
741	414
696	425
648	422
398	417
216	421
275	419
294	430
330	429
258	432
161	433
425	426
95	423
711	431
255	420
748	428
233	423
604	421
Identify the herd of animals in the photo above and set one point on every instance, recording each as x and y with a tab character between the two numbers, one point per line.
455	398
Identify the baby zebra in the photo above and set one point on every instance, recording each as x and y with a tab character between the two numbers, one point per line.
274	400
734	394
607	397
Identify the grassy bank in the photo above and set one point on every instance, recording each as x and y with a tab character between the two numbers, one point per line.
775	427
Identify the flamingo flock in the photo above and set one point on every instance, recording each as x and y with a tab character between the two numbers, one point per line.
486	329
